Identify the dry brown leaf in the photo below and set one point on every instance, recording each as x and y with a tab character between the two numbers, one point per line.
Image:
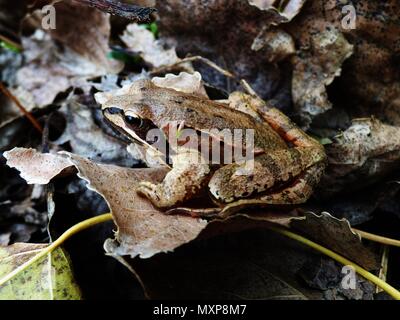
184	82
145	231
86	32
210	29
337	235
370	80
142	229
141	40
51	69
314	69
87	139
276	43
287	11
35	167
367	151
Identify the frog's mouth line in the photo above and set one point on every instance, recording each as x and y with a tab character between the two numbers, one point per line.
117	121
121	129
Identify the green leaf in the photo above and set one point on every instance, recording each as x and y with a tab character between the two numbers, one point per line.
153	28
123	56
50	278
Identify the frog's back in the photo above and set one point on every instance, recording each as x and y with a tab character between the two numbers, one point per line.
202	114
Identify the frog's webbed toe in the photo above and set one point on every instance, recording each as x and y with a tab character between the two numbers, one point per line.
159	195
148	190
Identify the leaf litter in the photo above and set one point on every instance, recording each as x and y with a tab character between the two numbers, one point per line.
297	57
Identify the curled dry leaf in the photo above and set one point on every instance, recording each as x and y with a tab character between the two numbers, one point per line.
76	31
126	10
286	10
50	278
367	151
141	40
35	167
337	235
276	43
184	82
370	80
142	229
314	69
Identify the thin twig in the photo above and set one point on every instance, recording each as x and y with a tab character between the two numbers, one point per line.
31	118
125	10
208	62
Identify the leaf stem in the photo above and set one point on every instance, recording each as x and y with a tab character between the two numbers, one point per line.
66	235
367	275
376	238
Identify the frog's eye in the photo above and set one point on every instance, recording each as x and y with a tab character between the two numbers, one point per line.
134	121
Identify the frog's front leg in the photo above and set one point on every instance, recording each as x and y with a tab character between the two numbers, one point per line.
186	179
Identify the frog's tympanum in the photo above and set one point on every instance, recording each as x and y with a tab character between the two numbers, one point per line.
287	162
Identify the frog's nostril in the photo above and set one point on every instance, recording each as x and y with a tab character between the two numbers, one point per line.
114	110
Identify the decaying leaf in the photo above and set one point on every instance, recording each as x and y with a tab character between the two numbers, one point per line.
337	235
9	111
276	43
50	278
142	229
369	82
314	69
286	10
145	231
367	151
88	140
50	69
36	168
141	40
208	29
88	42
184	82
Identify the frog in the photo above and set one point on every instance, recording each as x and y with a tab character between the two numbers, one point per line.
286	166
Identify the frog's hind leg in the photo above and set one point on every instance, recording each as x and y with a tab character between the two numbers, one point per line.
295	194
187	178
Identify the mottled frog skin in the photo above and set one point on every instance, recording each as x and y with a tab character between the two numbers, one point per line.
287	162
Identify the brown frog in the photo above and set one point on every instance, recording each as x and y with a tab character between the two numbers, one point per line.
287	162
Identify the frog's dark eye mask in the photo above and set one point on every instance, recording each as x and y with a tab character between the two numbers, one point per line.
140	126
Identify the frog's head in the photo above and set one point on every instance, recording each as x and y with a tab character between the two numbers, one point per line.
130	112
